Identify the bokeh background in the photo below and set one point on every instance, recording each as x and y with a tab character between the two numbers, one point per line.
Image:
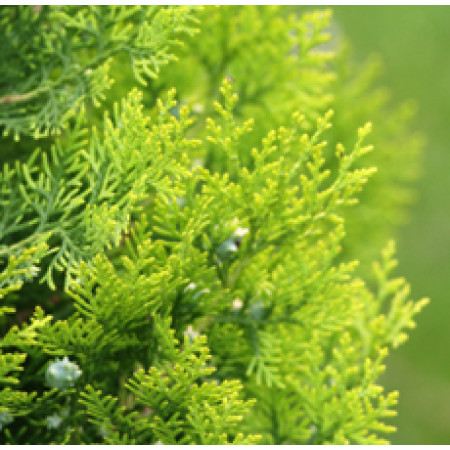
414	44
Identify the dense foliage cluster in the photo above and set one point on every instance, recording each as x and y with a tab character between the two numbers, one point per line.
177	266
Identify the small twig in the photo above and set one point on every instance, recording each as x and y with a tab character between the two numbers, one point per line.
16	98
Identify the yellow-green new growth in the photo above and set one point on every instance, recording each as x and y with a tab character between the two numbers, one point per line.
190	251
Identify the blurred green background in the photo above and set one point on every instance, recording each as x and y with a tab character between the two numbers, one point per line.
414	43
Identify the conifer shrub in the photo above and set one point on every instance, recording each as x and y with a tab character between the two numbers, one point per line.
183	203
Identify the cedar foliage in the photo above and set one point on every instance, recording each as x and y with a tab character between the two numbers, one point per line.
178	265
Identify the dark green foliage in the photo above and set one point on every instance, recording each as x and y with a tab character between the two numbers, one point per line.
58	58
195	246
